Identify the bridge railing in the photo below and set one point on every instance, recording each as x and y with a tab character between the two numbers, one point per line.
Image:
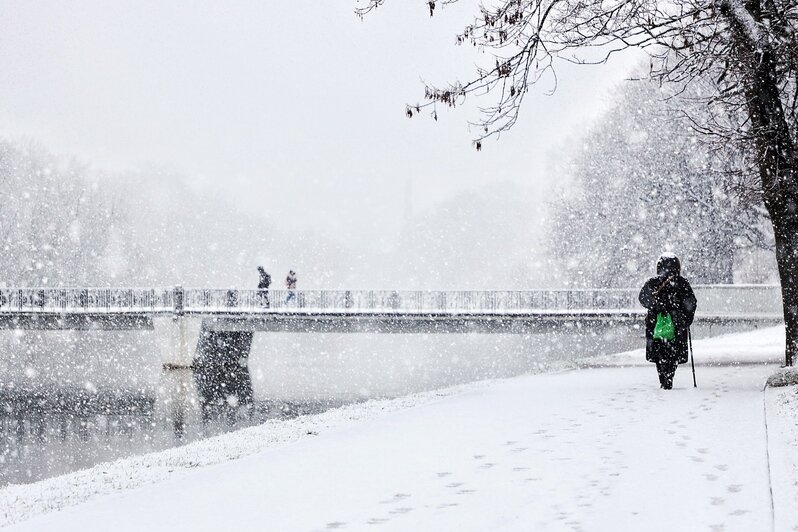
87	300
737	300
409	301
712	300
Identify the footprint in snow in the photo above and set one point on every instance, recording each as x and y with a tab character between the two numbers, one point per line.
739	512
465	492
519	449
717	501
377	521
518	469
576	525
702	450
487	465
454	485
335	525
447	505
696	459
734	488
510	442
717	528
443	474
396	498
711	477
479	456
721	467
401	510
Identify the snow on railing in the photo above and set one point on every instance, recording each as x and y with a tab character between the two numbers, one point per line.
712	299
87	300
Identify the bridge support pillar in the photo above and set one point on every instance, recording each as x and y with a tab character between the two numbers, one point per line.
177	398
221	368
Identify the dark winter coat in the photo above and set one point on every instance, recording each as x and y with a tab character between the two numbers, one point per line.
675	297
265	281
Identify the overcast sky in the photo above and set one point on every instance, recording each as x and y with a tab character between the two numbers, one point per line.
293	108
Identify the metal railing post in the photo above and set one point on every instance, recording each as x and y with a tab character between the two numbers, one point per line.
178	293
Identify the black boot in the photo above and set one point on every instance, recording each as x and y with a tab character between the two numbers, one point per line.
661	374
669	369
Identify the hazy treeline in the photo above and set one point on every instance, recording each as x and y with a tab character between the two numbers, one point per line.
58	226
487	238
641	183
66	224
638	183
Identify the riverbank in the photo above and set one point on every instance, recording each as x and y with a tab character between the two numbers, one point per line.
600	448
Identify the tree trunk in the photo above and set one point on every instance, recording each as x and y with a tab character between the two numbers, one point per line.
787	260
775	152
776	156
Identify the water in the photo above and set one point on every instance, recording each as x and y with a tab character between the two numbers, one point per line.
49	434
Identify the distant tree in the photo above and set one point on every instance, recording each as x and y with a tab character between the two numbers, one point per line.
749	48
57	224
453	246
642	183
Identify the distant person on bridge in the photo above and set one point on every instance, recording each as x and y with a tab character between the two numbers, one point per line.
263	287
671	307
290	283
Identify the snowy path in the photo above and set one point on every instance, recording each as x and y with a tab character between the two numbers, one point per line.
596	449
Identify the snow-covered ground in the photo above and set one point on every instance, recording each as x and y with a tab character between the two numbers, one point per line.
599	448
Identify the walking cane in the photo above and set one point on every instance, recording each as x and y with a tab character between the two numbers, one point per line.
692	360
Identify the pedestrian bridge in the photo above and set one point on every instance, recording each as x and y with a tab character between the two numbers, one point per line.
206	334
390	311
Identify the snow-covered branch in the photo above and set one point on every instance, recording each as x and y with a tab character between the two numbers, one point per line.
745	21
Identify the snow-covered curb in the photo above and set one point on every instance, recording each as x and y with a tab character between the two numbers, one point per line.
784	377
21	502
781	414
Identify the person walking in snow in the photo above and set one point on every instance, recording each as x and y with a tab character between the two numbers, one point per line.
671	307
290	283
263	287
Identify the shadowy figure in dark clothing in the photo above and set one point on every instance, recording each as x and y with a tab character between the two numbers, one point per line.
671	307
263	287
290	283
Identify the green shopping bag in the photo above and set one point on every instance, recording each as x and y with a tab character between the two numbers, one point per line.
664	330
